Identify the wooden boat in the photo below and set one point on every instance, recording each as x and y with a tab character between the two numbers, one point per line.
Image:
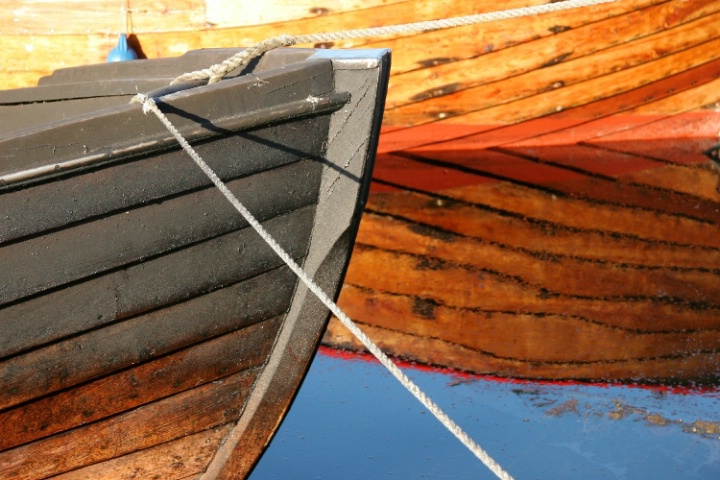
148	331
541	206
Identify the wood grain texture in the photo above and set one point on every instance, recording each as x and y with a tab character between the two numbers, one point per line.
184	414
560	249
150	329
541	208
243	349
176	460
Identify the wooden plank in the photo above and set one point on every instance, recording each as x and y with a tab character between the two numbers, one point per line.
559	171
577	95
187	413
74	47
515	335
77	252
142	384
498	290
428	283
72	199
552	274
702	181
122	294
579	214
693	185
566	56
544	238
176	460
704	95
674	140
70	142
140	339
435	62
579	123
571	83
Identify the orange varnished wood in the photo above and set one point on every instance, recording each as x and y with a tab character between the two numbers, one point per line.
184	414
162	32
180	459
551	63
530	331
506	228
540	208
575	251
143	384
523	200
529	267
667	96
586	178
439	352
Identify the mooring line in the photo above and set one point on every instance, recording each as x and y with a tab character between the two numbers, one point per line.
149	105
216	72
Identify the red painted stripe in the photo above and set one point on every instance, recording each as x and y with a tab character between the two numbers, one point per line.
460	375
677	139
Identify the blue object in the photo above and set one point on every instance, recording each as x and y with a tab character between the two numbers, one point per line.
122	52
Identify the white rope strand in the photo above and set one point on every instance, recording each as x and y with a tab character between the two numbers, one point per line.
149	105
431	25
216	72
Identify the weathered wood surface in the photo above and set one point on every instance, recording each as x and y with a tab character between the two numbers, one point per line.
556	157
149	331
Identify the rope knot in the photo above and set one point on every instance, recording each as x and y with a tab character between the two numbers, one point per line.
145	100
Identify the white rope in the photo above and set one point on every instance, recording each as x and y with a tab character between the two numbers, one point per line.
216	72
149	105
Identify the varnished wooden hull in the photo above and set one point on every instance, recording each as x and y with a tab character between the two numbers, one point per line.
541	189
505	261
148	331
550	214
